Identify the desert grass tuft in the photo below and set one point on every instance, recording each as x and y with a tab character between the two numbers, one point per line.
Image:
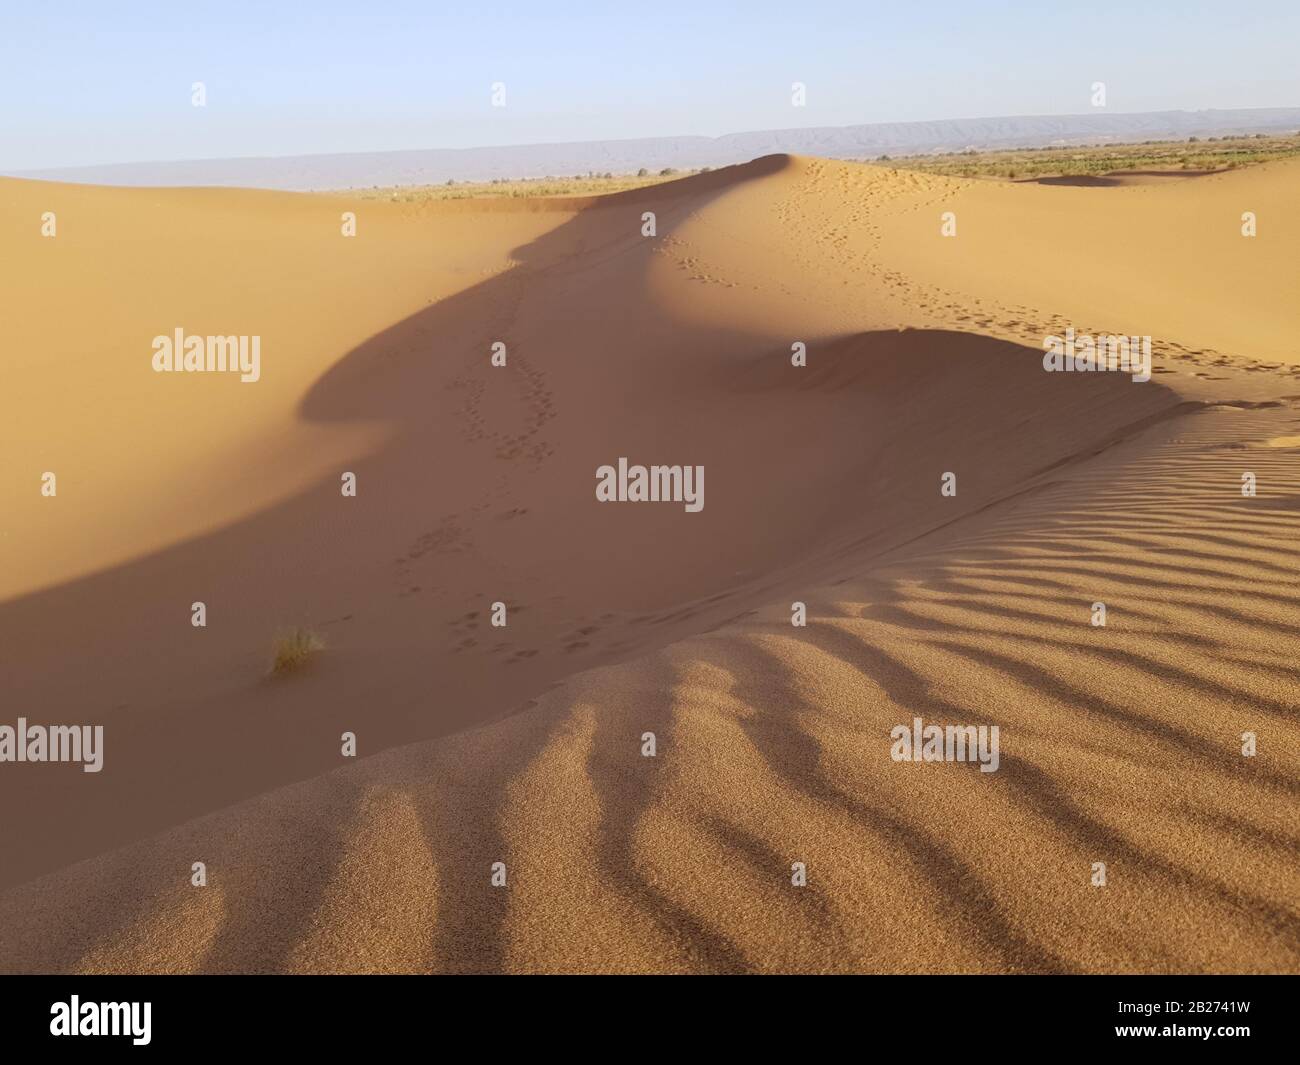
294	648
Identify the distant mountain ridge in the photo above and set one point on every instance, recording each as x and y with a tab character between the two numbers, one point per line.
438	165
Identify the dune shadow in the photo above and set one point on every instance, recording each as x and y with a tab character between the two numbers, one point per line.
624	797
962	900
461	816
274	895
1113	179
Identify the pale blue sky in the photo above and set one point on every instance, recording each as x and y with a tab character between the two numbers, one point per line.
95	82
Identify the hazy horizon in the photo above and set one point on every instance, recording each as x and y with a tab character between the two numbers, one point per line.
117	87
437	166
413	149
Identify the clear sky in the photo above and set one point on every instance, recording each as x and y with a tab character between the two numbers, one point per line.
87	81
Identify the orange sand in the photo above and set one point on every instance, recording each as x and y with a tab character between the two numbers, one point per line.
475	484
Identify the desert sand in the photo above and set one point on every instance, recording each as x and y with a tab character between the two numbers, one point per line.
523	745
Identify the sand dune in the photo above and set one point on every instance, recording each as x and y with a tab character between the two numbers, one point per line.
523	745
